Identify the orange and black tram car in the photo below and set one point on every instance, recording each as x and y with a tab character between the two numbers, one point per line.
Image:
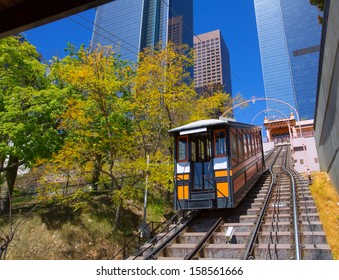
216	162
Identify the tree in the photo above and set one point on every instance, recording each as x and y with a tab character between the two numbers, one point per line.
98	115
117	119
163	95
321	5
29	109
164	98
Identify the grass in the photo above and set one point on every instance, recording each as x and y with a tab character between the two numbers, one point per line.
60	233
326	200
55	232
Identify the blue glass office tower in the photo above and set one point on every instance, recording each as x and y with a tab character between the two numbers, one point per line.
289	39
131	25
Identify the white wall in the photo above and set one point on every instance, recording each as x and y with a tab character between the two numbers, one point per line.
307	159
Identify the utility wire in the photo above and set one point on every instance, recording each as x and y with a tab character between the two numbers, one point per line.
110	33
72	19
107	38
134	47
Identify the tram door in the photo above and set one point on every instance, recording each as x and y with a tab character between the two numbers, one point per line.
201	163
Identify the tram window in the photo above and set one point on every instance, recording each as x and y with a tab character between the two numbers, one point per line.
193	151
201	150
220	143
182	148
245	144
259	141
240	146
234	146
249	143
255	141
209	149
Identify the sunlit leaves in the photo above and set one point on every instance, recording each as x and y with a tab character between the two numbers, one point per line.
30	104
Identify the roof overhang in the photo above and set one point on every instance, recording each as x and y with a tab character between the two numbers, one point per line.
19	15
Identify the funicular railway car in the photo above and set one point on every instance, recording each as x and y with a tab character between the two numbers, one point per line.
217	161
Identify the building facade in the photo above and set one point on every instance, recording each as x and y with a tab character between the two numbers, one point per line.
327	113
212	62
289	40
299	135
131	25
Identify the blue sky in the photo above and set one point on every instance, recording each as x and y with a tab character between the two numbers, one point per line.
235	19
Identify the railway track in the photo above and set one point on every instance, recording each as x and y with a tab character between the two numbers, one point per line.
276	220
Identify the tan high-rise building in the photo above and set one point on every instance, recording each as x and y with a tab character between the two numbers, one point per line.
211	62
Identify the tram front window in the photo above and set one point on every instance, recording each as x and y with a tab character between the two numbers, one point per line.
202	166
220	143
182	149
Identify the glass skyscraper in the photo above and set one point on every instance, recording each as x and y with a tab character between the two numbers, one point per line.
131	25
289	39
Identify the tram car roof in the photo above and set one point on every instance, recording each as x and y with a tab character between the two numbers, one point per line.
201	126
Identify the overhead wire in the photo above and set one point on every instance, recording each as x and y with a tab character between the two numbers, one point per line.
136	48
110	33
107	38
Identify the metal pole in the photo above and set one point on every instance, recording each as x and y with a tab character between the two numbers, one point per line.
145	197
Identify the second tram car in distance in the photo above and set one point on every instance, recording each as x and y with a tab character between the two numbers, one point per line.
216	163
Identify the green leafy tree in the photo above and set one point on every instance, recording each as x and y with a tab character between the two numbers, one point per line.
29	109
98	115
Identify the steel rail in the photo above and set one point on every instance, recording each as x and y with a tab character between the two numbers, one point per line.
275	213
297	178
274	221
295	216
204	239
262	212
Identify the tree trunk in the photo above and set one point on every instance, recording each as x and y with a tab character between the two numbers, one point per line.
118	215
96	172
10	174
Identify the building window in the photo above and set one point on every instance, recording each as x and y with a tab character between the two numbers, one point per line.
316	160
301	161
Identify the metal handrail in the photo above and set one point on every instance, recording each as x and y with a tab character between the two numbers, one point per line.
155	239
175	235
137	235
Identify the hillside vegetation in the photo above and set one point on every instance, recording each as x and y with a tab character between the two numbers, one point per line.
60	233
327	202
